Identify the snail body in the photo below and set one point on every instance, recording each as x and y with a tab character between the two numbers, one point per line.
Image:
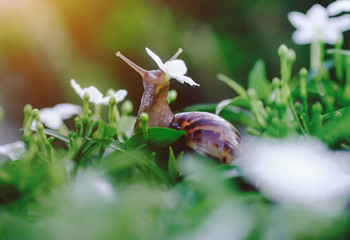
206	133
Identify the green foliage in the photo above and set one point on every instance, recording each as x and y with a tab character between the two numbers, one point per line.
313	104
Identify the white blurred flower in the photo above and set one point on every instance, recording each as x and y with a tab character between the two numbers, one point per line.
228	221
91	186
173	69
299	171
96	96
316	25
338	7
53	117
13	150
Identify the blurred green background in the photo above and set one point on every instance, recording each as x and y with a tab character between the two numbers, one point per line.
43	44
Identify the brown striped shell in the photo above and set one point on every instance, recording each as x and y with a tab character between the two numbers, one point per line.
209	134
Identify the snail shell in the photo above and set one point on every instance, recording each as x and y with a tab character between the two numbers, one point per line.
208	134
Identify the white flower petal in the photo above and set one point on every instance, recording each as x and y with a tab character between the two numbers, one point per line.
338	7
298	20
331	36
317	14
7	147
96	96
176	66
50	118
316	25
33	127
90	187
53	117
303	37
54	122
298	171
341	23
67	110
155	58
120	95
183	79
13	150
77	88
105	100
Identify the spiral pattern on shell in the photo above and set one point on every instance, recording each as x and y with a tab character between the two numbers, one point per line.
209	134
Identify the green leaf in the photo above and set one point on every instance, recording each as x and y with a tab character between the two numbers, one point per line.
56	134
336	113
203	107
122	161
227	171
136	141
230	113
104	131
336	129
237	101
173	165
234	85
258	81
118	145
111	143
163	137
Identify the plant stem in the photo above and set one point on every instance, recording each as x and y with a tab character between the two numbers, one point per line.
315	55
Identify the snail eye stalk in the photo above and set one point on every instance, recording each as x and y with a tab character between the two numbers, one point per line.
138	69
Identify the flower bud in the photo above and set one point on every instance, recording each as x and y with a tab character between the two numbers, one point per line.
86	96
291	55
35	113
276	82
111	101
27	108
144	117
39	127
252	93
172	96
127	107
303	73
282	50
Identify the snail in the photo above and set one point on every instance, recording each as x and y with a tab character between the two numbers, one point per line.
206	133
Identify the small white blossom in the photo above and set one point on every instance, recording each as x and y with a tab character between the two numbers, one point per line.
53	117
96	96
316	25
338	7
173	69
90	186
13	150
299	171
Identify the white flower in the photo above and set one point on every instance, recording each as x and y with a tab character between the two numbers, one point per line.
53	117
90	186
316	25
338	7
173	69
96	96
13	150
299	171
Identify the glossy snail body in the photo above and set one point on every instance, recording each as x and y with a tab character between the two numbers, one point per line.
206	133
